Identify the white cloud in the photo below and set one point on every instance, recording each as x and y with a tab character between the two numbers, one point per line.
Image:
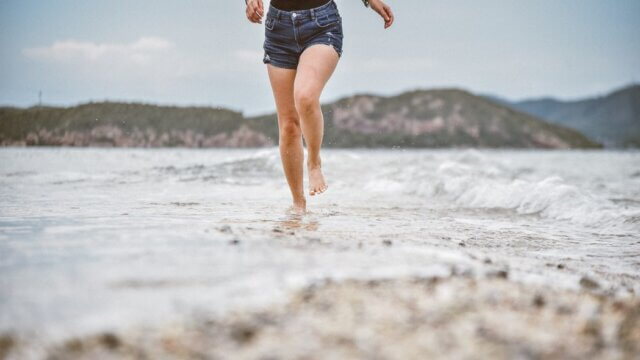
139	52
149	61
155	56
148	67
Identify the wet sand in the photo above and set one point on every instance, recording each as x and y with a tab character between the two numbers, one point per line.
175	254
461	317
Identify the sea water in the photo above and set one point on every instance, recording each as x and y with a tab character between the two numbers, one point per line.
93	239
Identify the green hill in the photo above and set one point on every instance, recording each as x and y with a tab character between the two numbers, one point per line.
420	118
124	124
437	118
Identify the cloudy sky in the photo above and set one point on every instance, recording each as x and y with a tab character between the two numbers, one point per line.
205	52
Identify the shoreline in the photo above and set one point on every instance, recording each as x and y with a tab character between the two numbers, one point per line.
190	254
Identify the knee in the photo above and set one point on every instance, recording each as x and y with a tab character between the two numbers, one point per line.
289	128
306	101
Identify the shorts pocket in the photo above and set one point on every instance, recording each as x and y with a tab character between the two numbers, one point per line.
270	22
326	20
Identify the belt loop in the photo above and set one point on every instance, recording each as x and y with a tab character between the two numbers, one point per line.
313	14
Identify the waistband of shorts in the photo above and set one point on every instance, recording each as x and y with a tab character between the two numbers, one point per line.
306	13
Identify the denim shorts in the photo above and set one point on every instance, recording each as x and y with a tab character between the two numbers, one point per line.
289	33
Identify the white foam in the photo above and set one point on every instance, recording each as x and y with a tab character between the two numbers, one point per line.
471	180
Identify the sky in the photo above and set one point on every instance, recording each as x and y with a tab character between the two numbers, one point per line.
205	52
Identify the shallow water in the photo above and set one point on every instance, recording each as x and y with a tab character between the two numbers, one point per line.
95	239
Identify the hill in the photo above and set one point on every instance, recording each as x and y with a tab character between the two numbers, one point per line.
437	118
420	118
613	119
124	124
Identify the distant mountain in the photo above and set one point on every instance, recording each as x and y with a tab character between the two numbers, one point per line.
420	118
613	120
124	124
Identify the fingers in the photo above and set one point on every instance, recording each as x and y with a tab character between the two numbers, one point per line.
255	11
252	17
250	13
385	14
388	17
257	17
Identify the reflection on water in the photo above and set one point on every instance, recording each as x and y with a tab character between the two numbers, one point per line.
299	221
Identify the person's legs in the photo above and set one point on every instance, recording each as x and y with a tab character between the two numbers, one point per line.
290	135
316	65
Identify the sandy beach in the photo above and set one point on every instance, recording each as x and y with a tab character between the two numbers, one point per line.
189	254
475	171
459	317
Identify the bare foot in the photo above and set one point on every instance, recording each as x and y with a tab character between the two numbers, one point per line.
299	207
317	185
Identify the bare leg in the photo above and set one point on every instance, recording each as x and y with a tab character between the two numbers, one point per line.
290	134
317	63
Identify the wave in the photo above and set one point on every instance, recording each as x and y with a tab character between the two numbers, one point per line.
471	180
244	170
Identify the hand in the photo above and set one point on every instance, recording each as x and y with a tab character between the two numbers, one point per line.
384	10
255	11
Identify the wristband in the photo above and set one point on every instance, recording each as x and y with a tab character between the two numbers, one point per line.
365	2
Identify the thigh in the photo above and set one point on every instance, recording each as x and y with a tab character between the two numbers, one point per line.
316	65
282	81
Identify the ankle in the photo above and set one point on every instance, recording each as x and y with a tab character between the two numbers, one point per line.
314	164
